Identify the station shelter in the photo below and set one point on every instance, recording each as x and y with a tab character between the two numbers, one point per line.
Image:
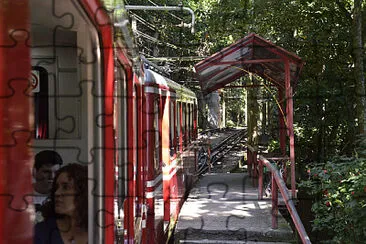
256	55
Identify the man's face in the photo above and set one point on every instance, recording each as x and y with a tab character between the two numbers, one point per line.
44	177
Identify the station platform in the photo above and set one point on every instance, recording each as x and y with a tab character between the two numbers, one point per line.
224	208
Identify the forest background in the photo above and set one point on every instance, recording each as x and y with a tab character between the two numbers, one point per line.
329	99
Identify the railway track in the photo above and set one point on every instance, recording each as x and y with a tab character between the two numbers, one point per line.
209	159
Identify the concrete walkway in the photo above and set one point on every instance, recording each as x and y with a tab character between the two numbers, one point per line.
224	208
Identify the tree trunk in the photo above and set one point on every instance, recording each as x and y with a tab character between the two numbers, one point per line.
223	122
202	112
358	61
213	103
253	116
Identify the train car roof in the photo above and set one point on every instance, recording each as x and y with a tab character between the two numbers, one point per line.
151	78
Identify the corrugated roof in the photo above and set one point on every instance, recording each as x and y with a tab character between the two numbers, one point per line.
250	54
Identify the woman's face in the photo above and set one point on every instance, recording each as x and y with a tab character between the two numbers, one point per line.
65	195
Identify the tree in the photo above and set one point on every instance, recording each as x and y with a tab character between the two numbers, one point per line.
319	31
358	61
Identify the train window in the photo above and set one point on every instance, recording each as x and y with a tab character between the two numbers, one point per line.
178	124
195	121
190	121
171	128
184	124
187	123
157	133
60	109
192	115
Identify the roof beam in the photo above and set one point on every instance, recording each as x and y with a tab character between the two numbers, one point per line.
252	61
183	58
249	86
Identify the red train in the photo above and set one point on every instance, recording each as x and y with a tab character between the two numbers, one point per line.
93	100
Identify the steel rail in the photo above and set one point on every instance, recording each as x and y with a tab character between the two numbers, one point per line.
221	149
225	146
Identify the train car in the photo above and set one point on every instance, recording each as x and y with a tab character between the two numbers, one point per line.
171	156
71	82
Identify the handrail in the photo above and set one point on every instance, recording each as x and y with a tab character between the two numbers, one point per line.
277	181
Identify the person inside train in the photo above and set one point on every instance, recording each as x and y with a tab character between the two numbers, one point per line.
45	165
66	213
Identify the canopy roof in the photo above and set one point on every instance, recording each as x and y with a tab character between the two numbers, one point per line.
251	54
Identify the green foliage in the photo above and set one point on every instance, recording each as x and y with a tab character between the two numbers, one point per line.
230	123
273	146
319	31
235	105
339	187
220	22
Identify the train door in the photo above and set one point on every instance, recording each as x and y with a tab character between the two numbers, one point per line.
139	166
159	166
154	102
66	41
165	156
175	171
120	125
134	164
152	138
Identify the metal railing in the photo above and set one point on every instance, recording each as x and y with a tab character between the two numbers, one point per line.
256	165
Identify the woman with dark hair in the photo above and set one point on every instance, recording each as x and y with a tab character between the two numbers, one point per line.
66	212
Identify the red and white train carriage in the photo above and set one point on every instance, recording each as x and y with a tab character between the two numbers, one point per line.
94	106
171	115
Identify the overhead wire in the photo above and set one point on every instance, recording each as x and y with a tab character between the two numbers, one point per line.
156	40
150	38
144	22
178	18
154	28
